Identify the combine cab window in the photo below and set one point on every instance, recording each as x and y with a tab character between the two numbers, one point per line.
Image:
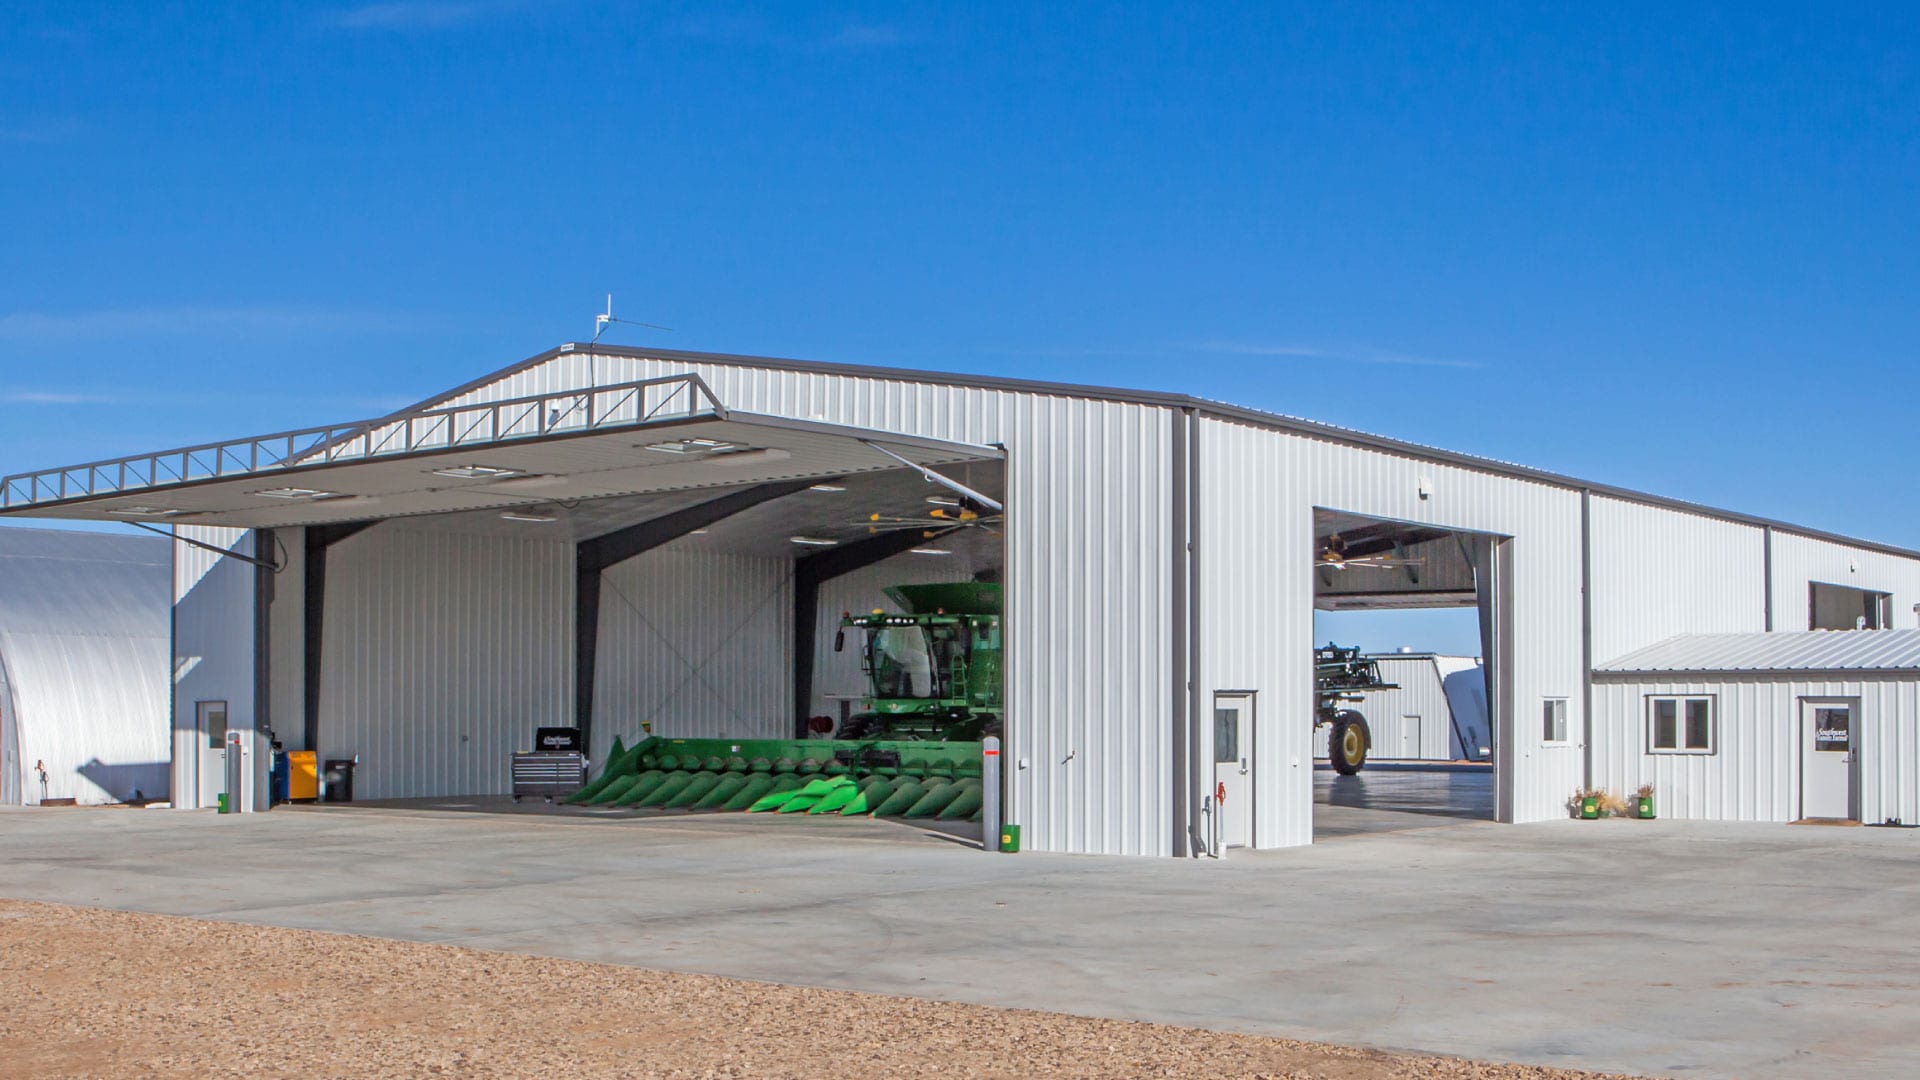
902	663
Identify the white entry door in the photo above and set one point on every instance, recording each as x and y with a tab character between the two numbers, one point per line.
1829	734
212	718
1233	767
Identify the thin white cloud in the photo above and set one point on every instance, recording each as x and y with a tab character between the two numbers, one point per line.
1350	355
174	321
52	397
414	14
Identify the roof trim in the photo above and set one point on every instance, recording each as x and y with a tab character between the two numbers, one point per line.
1685	675
1204	407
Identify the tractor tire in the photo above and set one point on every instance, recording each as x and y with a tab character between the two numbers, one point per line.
1348	742
857	728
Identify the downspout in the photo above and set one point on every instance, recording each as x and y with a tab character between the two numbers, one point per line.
1766	560
1183	800
1198	719
1586	635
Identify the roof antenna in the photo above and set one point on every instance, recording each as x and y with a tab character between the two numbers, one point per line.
606	319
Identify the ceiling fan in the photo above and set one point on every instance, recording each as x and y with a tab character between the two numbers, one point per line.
947	515
1334	557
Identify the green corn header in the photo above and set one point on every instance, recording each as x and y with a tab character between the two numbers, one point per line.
908	779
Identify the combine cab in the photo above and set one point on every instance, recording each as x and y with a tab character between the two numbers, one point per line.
1341	677
934	672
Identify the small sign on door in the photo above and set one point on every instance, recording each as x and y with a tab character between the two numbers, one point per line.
1832	729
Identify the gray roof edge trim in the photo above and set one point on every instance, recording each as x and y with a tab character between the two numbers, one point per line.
1205	407
1840	674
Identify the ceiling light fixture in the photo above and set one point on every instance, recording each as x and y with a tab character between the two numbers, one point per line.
476	472
931	551
297	493
813	541
826	487
144	511
941	500
692	446
527	516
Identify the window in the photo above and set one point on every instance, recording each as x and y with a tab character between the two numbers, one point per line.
1680	725
1226	735
1554	715
1843	607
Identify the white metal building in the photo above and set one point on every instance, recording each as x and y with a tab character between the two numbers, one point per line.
1418	720
602	535
1766	727
83	665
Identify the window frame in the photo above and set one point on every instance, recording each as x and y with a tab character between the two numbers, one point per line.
1566	727
1680	725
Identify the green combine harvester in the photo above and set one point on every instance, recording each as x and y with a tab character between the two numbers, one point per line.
934	691
934	672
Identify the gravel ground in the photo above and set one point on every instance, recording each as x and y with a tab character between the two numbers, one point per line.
107	993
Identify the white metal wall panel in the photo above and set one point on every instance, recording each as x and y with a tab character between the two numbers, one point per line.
442	652
1754	772
83	665
860	592
1659	572
696	643
212	643
1089	566
1259	488
1799	561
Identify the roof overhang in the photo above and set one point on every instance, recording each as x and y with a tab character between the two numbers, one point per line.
639	438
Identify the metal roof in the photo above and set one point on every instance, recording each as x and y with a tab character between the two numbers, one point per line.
569	446
29	493
1200	405
1803	650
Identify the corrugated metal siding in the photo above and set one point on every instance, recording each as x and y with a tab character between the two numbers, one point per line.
1259	488
1798	561
212	644
697	643
862	591
1659	572
1421	694
83	664
1754	773
443	651
1088	546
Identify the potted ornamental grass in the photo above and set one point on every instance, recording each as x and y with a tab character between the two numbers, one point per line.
1643	802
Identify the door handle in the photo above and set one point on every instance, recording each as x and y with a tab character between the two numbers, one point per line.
1243	766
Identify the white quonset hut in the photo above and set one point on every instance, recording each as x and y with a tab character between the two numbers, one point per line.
616	536
83	666
1767	727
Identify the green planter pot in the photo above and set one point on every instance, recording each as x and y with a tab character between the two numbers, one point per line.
1589	808
1644	807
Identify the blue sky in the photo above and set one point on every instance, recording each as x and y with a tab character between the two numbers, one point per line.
1671	250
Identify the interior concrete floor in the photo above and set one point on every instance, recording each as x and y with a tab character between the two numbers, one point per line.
1401	796
1650	947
